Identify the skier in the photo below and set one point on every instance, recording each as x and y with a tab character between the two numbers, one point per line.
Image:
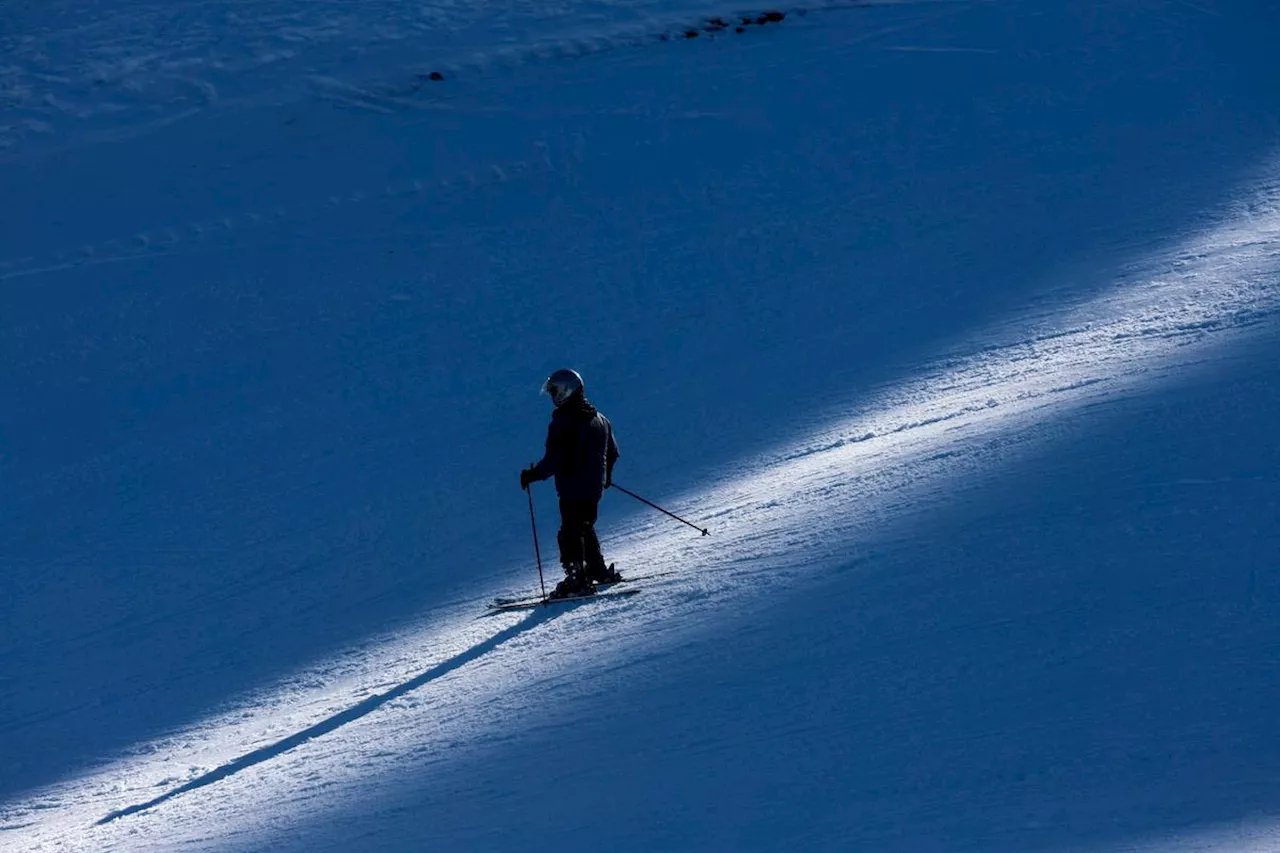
580	455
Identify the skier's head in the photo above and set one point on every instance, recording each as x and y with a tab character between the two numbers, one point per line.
563	385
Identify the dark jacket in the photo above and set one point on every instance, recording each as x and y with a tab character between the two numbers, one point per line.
580	451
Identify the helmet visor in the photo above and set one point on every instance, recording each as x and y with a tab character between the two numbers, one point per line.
561	385
553	390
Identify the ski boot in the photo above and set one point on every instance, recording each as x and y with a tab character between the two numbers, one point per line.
606	574
575	583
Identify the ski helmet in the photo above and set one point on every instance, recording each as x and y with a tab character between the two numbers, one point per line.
562	385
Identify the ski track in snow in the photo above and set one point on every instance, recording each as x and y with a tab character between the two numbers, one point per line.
343	730
108	72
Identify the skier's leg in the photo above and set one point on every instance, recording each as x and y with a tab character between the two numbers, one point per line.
570	539
591	550
597	569
590	544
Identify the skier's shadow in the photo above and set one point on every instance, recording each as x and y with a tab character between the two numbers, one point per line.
536	617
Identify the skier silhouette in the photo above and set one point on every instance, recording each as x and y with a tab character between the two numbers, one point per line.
580	454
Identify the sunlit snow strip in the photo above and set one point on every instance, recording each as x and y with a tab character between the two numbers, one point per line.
417	701
1171	313
1245	836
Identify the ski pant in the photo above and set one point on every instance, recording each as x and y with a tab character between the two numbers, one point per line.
577	537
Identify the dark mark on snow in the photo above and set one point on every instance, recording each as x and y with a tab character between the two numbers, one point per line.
717	24
709	26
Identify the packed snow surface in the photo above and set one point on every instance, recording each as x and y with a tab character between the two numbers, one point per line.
956	324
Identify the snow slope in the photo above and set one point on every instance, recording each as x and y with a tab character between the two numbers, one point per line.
955	322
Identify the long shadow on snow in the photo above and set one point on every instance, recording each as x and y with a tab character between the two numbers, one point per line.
361	709
1074	654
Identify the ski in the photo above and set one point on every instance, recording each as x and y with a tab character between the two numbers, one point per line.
502	601
530	603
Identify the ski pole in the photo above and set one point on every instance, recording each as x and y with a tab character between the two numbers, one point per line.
703	530
536	552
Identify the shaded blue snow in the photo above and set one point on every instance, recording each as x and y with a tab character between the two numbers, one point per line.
271	355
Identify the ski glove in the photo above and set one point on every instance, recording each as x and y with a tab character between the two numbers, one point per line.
526	477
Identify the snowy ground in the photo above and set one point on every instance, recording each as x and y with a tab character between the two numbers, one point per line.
956	323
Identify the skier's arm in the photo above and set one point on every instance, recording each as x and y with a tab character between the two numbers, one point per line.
610	456
551	460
